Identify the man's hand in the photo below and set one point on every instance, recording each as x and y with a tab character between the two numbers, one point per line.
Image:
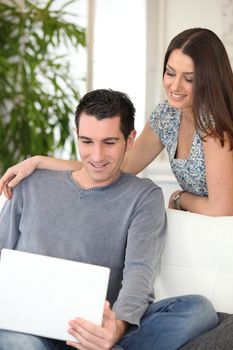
92	337
16	173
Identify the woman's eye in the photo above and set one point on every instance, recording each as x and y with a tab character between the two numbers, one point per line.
170	73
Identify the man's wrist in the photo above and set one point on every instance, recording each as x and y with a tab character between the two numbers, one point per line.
122	327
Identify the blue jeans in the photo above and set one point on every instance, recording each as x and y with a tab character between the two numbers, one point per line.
170	323
166	325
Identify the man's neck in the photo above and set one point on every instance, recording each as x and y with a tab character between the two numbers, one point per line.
81	178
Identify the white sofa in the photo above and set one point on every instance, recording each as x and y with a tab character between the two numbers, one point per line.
198	258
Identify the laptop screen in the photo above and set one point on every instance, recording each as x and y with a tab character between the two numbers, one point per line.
39	294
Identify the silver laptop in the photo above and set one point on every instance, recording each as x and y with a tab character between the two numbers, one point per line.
39	294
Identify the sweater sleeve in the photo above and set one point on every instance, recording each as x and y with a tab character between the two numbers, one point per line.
146	236
10	222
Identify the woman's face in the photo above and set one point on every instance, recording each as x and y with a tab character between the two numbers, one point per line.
178	80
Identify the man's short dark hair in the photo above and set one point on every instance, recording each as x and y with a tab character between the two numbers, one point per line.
107	103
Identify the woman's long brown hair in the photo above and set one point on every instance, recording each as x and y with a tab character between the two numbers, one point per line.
213	81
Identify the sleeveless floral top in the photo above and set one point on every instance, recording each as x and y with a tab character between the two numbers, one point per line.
190	173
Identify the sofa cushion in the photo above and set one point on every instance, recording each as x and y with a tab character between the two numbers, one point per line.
197	258
219	338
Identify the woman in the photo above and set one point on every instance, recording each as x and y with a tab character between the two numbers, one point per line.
195	124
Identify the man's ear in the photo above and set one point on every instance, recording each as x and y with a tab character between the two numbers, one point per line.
130	140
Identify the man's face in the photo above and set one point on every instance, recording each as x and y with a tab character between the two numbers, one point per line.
102	148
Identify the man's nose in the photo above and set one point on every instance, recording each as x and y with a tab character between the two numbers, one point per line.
98	153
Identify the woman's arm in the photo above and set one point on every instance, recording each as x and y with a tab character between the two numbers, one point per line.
219	177
23	169
145	149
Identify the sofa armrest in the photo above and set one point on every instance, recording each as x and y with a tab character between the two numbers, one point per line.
218	338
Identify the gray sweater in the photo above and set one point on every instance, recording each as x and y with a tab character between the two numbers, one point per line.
121	226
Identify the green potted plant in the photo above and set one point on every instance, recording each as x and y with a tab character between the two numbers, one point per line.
37	91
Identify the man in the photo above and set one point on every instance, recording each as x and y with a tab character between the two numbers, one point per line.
100	215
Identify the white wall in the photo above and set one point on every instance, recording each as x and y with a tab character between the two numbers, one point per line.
120	50
183	14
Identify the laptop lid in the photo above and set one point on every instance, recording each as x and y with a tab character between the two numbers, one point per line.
39	294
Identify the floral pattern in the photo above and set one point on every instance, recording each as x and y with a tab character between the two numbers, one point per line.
190	173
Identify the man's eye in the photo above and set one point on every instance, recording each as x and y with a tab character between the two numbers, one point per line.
86	141
109	143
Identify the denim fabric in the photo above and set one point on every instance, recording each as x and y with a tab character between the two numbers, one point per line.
170	323
19	341
166	325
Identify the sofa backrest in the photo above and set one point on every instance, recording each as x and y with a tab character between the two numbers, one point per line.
198	258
